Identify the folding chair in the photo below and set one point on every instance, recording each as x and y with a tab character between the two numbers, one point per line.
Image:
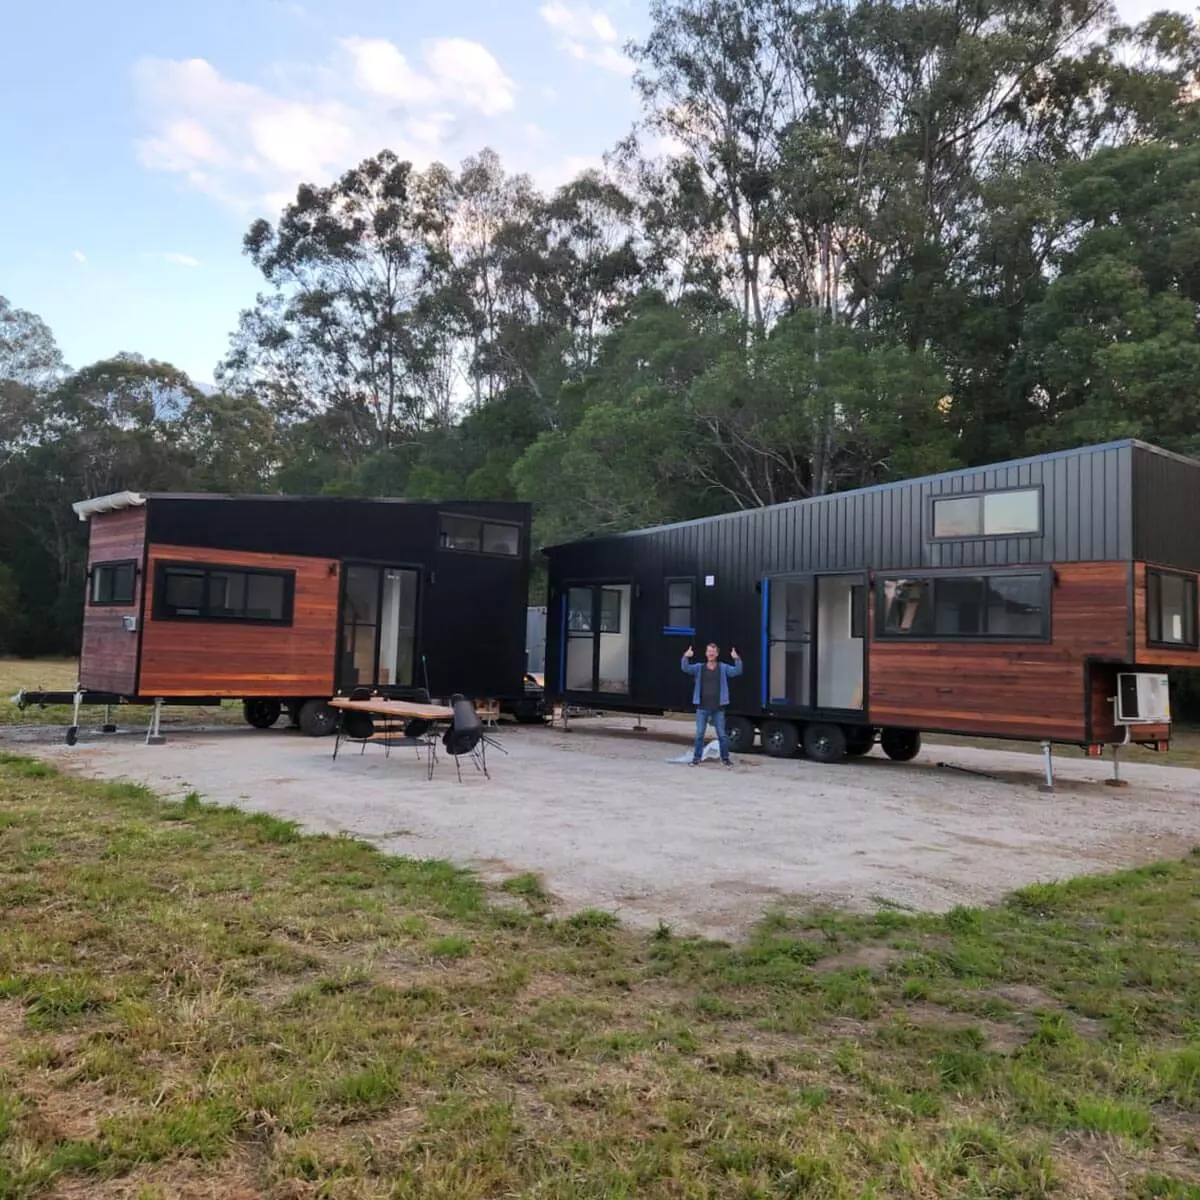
467	737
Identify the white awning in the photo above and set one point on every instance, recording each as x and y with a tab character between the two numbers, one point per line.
103	504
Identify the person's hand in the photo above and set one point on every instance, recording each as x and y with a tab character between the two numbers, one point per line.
688	652
733	653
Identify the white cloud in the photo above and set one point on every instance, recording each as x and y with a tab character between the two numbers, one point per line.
180	260
249	145
79	256
587	34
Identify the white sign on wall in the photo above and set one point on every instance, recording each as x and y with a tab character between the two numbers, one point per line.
710	581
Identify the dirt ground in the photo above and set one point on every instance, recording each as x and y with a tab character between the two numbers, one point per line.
608	822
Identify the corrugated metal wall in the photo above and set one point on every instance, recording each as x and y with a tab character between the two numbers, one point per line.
1166	509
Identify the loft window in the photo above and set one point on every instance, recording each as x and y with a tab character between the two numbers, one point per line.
113	582
680	600
989	514
990	607
480	536
188	592
1170	609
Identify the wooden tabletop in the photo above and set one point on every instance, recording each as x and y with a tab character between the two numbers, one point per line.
395	708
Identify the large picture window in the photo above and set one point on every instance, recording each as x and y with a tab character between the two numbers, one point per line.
989	514
113	582
191	592
479	536
1170	609
991	607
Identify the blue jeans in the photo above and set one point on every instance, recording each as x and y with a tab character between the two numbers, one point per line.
717	717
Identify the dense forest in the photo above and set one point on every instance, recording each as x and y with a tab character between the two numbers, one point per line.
848	241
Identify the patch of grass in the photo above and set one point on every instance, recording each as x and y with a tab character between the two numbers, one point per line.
186	988
62	675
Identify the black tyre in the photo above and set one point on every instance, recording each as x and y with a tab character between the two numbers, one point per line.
741	734
780	738
824	743
317	719
900	745
859	742
262	714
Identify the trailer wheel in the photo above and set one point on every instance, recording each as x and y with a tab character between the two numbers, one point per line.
741	734
859	742
317	719
260	713
780	738
824	743
900	745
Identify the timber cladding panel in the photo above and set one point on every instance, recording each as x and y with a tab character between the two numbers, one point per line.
235	659
108	651
1027	690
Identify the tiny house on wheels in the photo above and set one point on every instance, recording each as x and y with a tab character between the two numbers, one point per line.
1038	599
283	602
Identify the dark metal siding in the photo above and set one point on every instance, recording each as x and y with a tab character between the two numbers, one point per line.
471	623
1166	509
1087	516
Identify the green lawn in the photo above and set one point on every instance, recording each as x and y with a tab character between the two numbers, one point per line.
61	675
199	1002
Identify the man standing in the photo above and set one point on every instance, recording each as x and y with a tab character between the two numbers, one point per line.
711	695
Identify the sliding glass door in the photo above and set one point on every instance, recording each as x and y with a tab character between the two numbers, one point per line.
595	638
377	640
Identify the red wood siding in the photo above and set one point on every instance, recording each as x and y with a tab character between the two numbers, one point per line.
108	652
226	658
1024	691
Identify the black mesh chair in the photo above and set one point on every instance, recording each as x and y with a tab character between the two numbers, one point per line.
466	736
354	727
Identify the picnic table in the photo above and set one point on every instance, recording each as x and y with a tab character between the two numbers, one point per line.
400	710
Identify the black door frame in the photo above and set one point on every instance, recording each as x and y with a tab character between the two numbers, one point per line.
813	579
595	586
381	567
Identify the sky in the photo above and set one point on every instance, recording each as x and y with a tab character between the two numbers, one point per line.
140	138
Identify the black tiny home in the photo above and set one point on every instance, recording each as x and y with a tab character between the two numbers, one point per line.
285	601
1014	600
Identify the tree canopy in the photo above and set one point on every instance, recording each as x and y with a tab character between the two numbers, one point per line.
848	241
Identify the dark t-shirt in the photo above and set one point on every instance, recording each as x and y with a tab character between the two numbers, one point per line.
710	687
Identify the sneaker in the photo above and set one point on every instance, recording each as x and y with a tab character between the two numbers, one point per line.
695	762
726	762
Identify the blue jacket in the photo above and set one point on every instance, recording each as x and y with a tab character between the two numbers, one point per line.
728	671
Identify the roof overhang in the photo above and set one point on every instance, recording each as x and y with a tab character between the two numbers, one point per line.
85	509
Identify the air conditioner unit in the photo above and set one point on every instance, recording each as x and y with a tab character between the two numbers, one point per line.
1143	699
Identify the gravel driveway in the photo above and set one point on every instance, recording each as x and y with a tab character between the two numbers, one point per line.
609	823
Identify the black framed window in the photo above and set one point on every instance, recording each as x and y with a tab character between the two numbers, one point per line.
1170	609
681	598
610	610
113	582
196	592
479	536
1014	513
1013	606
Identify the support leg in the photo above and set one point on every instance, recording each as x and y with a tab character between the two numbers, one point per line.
109	726
1116	781
1047	754
73	728
154	735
